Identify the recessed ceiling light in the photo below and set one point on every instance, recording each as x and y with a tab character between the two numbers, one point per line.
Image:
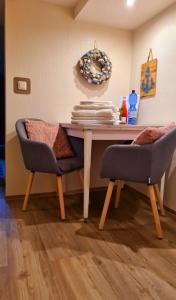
130	2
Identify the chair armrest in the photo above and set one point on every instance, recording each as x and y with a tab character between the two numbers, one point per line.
127	162
38	156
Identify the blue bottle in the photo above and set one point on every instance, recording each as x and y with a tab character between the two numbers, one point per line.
132	111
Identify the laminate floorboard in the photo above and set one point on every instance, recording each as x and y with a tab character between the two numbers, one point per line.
42	257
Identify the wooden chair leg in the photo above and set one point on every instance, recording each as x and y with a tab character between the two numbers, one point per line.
151	192
118	192
57	190
61	197
160	201
123	183
28	190
106	204
81	178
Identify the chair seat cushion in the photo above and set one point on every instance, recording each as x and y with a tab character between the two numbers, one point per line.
151	134
51	134
67	165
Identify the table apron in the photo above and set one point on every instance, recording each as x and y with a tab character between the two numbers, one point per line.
106	134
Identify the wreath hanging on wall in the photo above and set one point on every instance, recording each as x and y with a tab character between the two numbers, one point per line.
95	66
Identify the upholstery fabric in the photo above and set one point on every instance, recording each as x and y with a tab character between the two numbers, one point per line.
146	163
69	164
51	134
151	134
39	157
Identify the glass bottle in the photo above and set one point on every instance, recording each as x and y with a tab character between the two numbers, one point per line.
123	111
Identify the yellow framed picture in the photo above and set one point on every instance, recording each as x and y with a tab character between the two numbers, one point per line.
148	79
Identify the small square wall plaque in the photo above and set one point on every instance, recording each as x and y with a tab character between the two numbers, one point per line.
21	85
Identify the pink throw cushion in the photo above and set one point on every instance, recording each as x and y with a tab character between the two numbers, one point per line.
51	134
151	134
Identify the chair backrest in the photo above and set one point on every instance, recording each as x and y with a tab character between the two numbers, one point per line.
21	130
77	144
24	142
162	152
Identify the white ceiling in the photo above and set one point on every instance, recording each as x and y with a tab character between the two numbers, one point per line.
115	12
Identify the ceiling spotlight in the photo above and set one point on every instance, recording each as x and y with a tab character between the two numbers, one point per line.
130	2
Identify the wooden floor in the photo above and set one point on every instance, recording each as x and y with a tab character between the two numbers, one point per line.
44	258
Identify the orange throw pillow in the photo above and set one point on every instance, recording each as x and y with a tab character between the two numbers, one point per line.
51	134
151	134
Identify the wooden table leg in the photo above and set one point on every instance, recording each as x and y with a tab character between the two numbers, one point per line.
87	164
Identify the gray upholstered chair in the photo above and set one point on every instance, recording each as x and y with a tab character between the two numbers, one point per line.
39	157
145	164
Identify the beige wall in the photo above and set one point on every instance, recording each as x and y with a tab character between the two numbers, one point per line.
160	35
44	43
